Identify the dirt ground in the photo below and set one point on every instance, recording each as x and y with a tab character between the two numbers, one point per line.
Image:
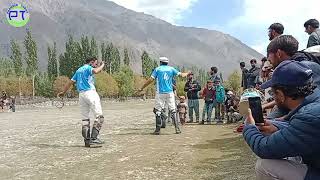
46	143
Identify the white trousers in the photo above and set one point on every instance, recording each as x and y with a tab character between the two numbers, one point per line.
163	100
90	101
272	169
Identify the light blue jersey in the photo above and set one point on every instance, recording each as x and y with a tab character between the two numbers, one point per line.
84	78
164	77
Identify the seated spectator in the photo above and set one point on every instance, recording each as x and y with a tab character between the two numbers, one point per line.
266	71
235	116
298	135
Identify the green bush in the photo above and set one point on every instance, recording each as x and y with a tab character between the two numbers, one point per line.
59	84
12	86
234	82
44	85
106	85
180	87
138	83
125	81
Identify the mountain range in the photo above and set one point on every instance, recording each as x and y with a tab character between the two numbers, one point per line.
53	20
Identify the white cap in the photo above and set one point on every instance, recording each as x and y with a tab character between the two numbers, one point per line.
164	59
230	93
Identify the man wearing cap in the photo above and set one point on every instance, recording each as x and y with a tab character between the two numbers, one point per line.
298	135
164	75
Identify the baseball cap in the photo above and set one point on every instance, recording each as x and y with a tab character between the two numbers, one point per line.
164	59
290	73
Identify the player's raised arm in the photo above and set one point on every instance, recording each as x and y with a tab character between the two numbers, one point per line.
98	69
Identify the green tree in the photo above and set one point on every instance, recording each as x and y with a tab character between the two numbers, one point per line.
147	64
52	61
6	67
234	82
125	79
106	85
72	58
111	57
31	54
16	57
180	87
126	59
108	57
43	85
94	48
84	48
116	60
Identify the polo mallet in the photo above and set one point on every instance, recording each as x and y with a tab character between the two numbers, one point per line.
59	103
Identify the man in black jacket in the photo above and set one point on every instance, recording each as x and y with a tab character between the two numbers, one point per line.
253	74
244	81
192	88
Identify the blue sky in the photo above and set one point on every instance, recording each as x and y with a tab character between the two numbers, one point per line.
206	13
247	20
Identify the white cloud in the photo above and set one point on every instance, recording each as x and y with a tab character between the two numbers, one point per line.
291	13
168	10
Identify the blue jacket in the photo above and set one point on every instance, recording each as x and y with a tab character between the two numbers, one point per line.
301	137
312	63
220	94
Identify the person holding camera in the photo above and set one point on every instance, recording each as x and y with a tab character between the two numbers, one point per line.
297	135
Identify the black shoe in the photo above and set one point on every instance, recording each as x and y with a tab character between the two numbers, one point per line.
156	133
96	142
202	122
178	131
87	142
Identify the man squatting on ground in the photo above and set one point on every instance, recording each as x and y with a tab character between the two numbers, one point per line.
88	99
297	135
164	75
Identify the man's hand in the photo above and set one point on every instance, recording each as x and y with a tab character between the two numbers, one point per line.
250	119
60	94
268	128
139	90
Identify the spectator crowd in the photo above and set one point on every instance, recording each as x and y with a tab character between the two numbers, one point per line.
288	142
